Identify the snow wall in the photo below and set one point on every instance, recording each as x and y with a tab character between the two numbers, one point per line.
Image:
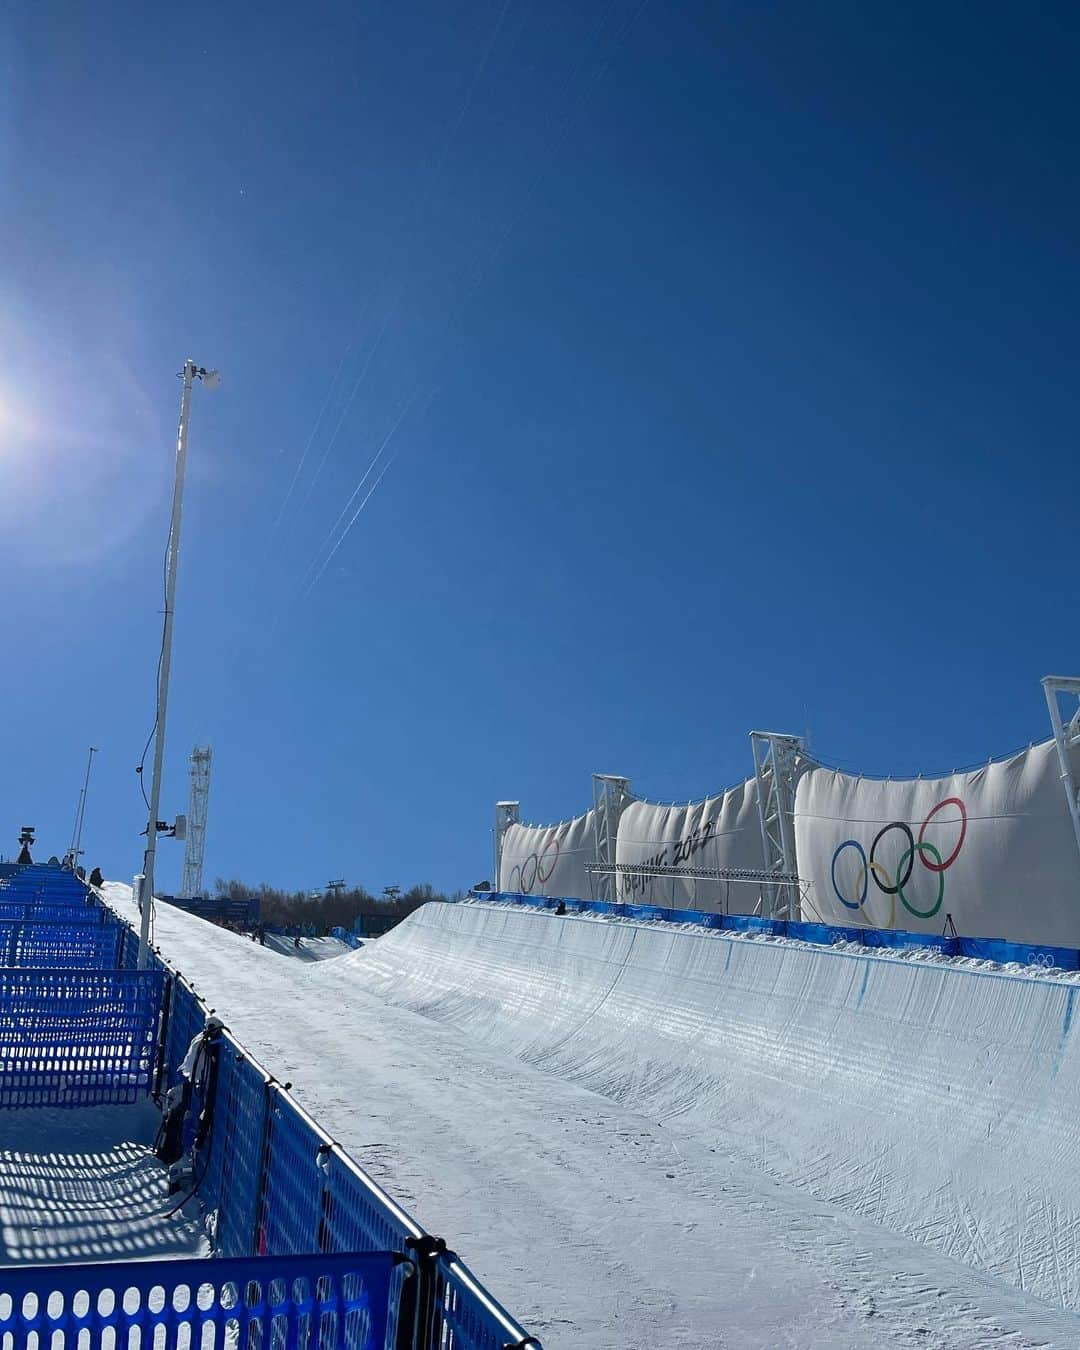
938	1100
721	831
993	848
549	859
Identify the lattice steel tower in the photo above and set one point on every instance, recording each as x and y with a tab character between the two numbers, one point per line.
196	824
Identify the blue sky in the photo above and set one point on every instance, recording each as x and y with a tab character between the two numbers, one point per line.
731	351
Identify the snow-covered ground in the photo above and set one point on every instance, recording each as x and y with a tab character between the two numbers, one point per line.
310	949
84	1185
648	1137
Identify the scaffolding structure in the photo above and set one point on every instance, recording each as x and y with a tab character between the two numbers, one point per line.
1067	738
610	797
192	882
776	759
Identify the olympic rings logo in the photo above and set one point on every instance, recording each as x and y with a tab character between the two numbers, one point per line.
522	880
893	884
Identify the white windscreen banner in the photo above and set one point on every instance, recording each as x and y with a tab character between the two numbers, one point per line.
994	849
722	831
549	859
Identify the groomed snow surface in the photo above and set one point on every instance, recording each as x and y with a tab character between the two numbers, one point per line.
647	1136
310	949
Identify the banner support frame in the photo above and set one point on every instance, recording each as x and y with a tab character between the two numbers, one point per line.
1052	686
776	756
611	794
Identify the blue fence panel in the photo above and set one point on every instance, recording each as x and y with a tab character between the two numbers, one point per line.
80	946
319	1302
294	1204
231	1185
645	911
466	1317
1023	953
824	934
353	1217
35	911
46	912
899	938
77	1037
128	958
22	887
698	916
50	886
186	1018
750	923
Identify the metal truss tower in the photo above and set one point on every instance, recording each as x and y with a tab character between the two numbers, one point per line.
191	885
1067	737
610	796
775	760
506	814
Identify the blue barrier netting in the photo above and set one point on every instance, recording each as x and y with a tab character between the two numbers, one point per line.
51	882
58	943
463	1316
29	911
77	1037
1045	957
316	1302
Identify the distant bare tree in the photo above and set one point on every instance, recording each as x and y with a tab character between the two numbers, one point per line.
330	910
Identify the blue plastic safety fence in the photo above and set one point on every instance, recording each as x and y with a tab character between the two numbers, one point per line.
129	950
293	1185
41	911
15	889
20	888
53	878
231	1170
465	1317
185	1018
347	936
77	1037
320	1302
352	1213
40	943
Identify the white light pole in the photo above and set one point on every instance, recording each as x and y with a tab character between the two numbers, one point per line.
80	812
146	898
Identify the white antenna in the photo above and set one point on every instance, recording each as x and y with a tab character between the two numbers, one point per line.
80	811
191	885
190	374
